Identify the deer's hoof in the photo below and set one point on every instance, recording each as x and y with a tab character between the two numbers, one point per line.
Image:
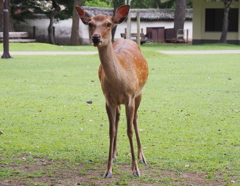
107	175
137	174
143	161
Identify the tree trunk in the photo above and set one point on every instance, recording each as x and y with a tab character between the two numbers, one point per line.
113	32
227	8
1	16
179	15
11	28
116	4
51	38
223	38
55	10
75	38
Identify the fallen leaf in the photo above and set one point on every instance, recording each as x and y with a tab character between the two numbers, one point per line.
89	102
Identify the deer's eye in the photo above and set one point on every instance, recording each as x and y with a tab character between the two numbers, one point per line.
109	24
90	25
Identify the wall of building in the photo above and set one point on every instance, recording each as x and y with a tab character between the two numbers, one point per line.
200	36
63	29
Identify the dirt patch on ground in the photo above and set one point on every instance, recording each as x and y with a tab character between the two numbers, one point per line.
45	172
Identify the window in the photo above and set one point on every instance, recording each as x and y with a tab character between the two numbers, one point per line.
214	20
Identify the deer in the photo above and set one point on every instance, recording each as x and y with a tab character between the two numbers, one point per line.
123	73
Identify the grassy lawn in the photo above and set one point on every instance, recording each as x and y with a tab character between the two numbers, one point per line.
48	47
145	47
189	119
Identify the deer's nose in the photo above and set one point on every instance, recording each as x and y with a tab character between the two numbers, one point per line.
96	38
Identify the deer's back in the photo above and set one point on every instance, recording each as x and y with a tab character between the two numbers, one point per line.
132	59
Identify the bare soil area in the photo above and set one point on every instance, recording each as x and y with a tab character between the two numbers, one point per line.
45	172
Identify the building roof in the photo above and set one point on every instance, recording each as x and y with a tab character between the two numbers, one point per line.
145	14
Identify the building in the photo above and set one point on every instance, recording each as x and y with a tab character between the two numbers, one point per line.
207	22
149	18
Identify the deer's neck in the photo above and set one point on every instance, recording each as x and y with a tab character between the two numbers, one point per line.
110	63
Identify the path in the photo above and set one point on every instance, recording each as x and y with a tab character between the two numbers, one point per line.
202	52
95	52
52	53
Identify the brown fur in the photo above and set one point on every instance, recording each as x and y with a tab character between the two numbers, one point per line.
123	73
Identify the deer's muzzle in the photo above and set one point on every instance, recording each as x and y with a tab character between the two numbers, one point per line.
96	39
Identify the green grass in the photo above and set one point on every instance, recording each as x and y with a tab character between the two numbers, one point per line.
146	46
48	47
189	117
153	46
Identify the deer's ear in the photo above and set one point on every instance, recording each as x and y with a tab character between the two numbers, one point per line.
120	14
85	17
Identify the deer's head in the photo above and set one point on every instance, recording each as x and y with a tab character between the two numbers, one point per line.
100	26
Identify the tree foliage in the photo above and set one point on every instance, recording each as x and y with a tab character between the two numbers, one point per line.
152	4
135	3
54	9
25	9
96	3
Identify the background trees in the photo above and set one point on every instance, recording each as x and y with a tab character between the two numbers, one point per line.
62	9
158	4
54	9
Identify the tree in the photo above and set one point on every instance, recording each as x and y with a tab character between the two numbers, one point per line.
179	15
57	13
116	4
1	17
75	25
227	7
26	9
11	28
55	9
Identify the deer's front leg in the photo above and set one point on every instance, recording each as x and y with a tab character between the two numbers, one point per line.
111	111
141	156
130	111
118	109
